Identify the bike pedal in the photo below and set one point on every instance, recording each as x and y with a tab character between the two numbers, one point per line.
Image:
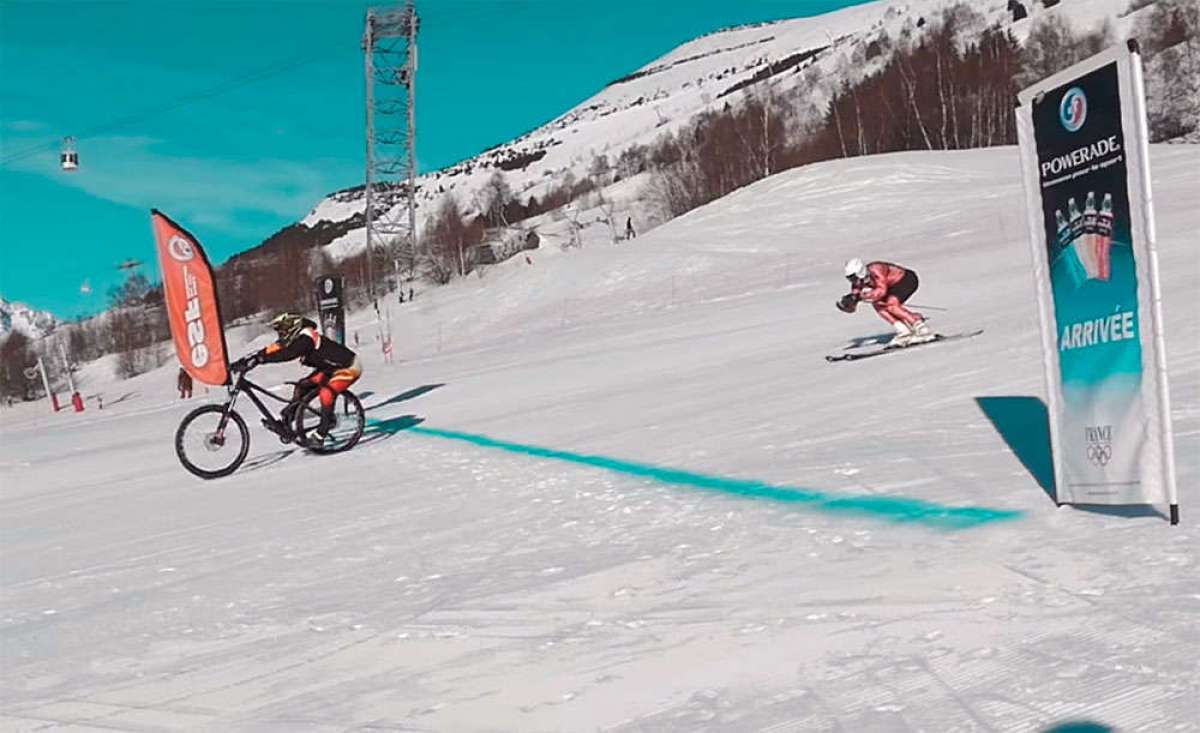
284	434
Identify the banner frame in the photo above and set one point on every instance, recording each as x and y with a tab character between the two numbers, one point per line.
1132	113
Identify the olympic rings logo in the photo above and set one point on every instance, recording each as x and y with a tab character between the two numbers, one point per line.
1100	454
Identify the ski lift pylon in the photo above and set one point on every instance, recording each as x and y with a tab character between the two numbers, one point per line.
69	157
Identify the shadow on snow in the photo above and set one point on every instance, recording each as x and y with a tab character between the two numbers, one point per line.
404	396
878	339
373	432
377	430
266	460
1024	424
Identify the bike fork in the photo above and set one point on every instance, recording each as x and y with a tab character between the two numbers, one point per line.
225	416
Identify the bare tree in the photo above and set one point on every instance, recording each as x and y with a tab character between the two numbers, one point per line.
450	242
631	161
1049	49
761	127
131	292
574	225
608	214
16	355
496	196
1170	37
600	171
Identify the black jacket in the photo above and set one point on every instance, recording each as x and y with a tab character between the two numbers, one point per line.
312	349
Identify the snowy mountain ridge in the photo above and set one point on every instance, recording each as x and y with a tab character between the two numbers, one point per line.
704	73
20	317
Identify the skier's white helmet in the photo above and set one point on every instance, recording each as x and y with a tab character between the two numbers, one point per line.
856	269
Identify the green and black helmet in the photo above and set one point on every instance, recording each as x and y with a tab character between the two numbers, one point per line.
287	326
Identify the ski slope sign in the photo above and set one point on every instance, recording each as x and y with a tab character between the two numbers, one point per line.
190	296
1085	167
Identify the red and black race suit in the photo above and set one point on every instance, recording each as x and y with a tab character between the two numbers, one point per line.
312	350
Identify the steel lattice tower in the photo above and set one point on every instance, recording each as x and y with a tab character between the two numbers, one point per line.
390	55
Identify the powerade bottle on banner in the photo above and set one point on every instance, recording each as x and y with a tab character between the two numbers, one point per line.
1082	251
1104	232
1064	234
1089	233
1066	253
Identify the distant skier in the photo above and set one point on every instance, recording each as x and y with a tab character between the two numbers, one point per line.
629	233
886	286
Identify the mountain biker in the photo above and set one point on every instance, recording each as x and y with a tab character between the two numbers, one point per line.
335	367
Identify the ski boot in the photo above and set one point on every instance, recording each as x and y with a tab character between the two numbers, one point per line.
921	333
903	335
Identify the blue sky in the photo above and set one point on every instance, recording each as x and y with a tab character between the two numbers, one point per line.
236	117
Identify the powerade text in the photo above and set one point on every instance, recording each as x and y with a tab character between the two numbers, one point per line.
1080	156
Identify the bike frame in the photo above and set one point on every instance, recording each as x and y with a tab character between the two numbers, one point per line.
243	385
345	439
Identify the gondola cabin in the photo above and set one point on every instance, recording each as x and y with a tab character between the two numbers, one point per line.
69	157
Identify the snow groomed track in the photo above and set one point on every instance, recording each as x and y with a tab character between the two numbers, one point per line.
572	509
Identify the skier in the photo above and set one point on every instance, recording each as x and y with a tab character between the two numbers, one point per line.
886	286
335	367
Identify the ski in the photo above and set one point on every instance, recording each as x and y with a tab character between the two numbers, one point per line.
890	349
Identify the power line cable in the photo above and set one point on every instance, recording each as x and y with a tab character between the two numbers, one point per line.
183	101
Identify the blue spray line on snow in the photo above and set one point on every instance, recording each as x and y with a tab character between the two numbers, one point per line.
890	508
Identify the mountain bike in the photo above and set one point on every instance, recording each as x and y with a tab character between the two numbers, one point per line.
213	440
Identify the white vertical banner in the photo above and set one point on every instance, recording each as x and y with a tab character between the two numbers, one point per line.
1085	167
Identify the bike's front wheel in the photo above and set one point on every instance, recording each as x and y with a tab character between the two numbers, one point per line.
209	445
347	427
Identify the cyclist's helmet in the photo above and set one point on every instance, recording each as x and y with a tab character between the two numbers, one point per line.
856	269
287	326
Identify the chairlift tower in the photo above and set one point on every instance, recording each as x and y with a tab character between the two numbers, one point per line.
390	55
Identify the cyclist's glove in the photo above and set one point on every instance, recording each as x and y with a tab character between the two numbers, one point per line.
245	364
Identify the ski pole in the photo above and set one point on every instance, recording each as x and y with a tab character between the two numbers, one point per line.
927	307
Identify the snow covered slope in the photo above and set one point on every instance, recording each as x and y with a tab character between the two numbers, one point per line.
704	73
20	317
621	489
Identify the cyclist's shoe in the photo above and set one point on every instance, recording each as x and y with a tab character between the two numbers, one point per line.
327	422
317	440
319	437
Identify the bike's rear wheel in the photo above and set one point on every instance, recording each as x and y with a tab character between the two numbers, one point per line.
210	446
349	423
